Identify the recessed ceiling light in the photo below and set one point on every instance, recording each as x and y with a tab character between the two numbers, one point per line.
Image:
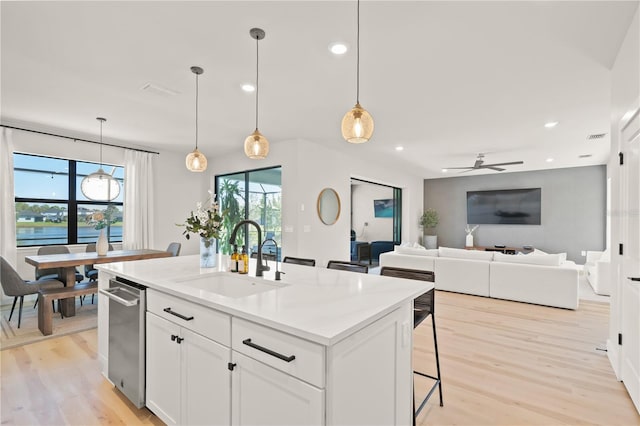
399	148
445	170
549	160
248	87
338	48
550	124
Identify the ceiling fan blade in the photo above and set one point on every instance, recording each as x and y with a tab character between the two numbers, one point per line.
503	164
497	169
453	168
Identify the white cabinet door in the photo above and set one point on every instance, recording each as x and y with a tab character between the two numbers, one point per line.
262	395
163	369
206	381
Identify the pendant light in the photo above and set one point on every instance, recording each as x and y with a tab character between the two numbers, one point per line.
357	124
256	146
100	186
196	161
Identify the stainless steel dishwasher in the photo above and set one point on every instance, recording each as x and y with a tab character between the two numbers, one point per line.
127	306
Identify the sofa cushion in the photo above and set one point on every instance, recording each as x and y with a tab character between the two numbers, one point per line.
532	259
465	254
416	251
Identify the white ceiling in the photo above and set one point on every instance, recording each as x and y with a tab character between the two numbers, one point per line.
446	80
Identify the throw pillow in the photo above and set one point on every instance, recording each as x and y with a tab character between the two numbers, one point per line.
465	254
416	251
532	259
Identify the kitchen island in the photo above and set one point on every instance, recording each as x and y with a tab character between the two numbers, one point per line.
318	347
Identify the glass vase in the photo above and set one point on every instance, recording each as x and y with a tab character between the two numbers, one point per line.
469	240
208	258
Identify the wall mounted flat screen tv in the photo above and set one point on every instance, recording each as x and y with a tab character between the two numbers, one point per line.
504	207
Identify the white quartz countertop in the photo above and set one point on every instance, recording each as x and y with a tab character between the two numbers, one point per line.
318	304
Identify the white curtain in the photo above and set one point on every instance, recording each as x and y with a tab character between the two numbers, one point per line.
138	200
7	208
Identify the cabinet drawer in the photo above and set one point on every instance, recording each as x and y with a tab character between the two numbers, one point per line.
297	357
205	321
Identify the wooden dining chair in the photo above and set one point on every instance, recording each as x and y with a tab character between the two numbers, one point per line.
347	266
423	307
13	285
53	273
299	261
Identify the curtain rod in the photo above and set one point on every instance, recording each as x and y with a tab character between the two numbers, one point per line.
78	139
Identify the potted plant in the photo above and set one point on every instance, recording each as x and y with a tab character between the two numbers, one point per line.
428	221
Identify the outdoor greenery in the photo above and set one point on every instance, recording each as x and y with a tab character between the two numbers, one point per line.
230	198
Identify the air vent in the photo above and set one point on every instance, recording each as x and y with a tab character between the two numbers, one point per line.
159	90
584	156
596	136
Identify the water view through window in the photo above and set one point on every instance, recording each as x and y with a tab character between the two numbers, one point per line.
50	207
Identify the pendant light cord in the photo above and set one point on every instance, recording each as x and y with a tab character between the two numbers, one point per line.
101	121
257	83
196	111
358	56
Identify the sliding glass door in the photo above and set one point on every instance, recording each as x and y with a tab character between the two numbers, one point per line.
255	195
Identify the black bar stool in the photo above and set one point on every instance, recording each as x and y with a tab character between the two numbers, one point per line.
423	306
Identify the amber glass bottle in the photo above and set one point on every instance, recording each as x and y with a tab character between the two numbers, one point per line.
234	259
243	261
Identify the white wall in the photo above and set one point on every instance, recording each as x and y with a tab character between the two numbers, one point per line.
307	168
378	228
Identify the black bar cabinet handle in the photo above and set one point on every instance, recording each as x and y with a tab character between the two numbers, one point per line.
269	351
169	311
634	278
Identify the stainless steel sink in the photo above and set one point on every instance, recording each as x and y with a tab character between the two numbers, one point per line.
225	284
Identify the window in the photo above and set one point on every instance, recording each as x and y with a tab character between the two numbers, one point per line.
255	195
50	207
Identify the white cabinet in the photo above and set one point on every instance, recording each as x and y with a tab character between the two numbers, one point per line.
188	377
163	369
265	396
207	367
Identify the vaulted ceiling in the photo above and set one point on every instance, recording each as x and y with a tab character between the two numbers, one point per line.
445	80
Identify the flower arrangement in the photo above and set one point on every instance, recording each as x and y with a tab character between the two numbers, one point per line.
206	222
100	219
469	230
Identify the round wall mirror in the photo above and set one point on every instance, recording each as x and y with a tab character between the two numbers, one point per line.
328	206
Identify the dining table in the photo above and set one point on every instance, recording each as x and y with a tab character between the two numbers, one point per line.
69	261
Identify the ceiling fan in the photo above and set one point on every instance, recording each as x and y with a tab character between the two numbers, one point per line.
479	164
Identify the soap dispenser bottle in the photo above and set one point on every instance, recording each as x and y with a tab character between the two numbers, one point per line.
234	259
243	261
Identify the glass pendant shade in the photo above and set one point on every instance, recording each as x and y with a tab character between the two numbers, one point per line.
357	125
100	186
196	161
256	146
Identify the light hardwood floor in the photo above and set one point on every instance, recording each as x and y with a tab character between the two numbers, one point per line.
503	363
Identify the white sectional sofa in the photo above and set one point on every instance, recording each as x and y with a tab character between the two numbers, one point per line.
597	271
543	279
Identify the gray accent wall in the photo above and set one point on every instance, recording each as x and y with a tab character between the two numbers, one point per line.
573	210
